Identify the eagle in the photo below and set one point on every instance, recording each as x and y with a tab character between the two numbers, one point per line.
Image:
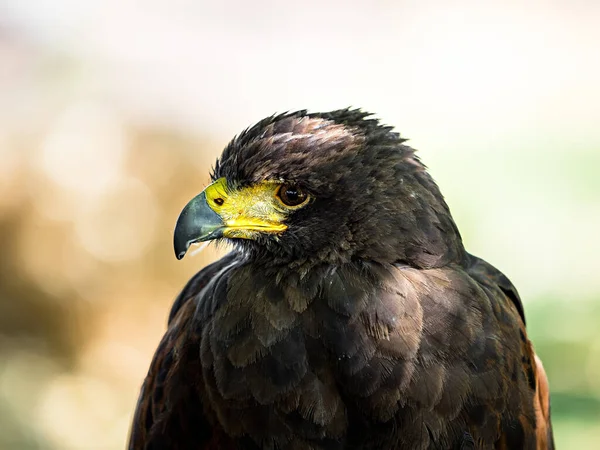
347	315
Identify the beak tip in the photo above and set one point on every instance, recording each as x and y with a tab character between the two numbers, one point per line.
180	244
180	249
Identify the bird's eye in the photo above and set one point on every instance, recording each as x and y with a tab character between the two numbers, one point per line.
292	195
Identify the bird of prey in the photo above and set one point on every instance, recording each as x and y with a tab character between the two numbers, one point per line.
348	314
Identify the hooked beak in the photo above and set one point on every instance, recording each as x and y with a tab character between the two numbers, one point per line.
219	211
197	222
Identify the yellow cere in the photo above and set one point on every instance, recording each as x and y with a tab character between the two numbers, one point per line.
247	210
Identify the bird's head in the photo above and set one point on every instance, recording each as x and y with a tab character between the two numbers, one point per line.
331	187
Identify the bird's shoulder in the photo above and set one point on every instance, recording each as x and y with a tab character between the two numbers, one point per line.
488	275
441	351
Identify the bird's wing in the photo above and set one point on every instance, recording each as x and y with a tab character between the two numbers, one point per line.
170	398
492	278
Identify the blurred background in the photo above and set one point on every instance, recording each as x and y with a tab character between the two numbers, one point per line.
112	112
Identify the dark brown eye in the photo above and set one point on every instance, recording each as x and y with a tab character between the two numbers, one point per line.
292	195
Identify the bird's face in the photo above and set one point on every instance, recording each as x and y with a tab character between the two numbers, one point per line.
256	212
323	188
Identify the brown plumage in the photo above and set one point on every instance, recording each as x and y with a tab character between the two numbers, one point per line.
348	315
